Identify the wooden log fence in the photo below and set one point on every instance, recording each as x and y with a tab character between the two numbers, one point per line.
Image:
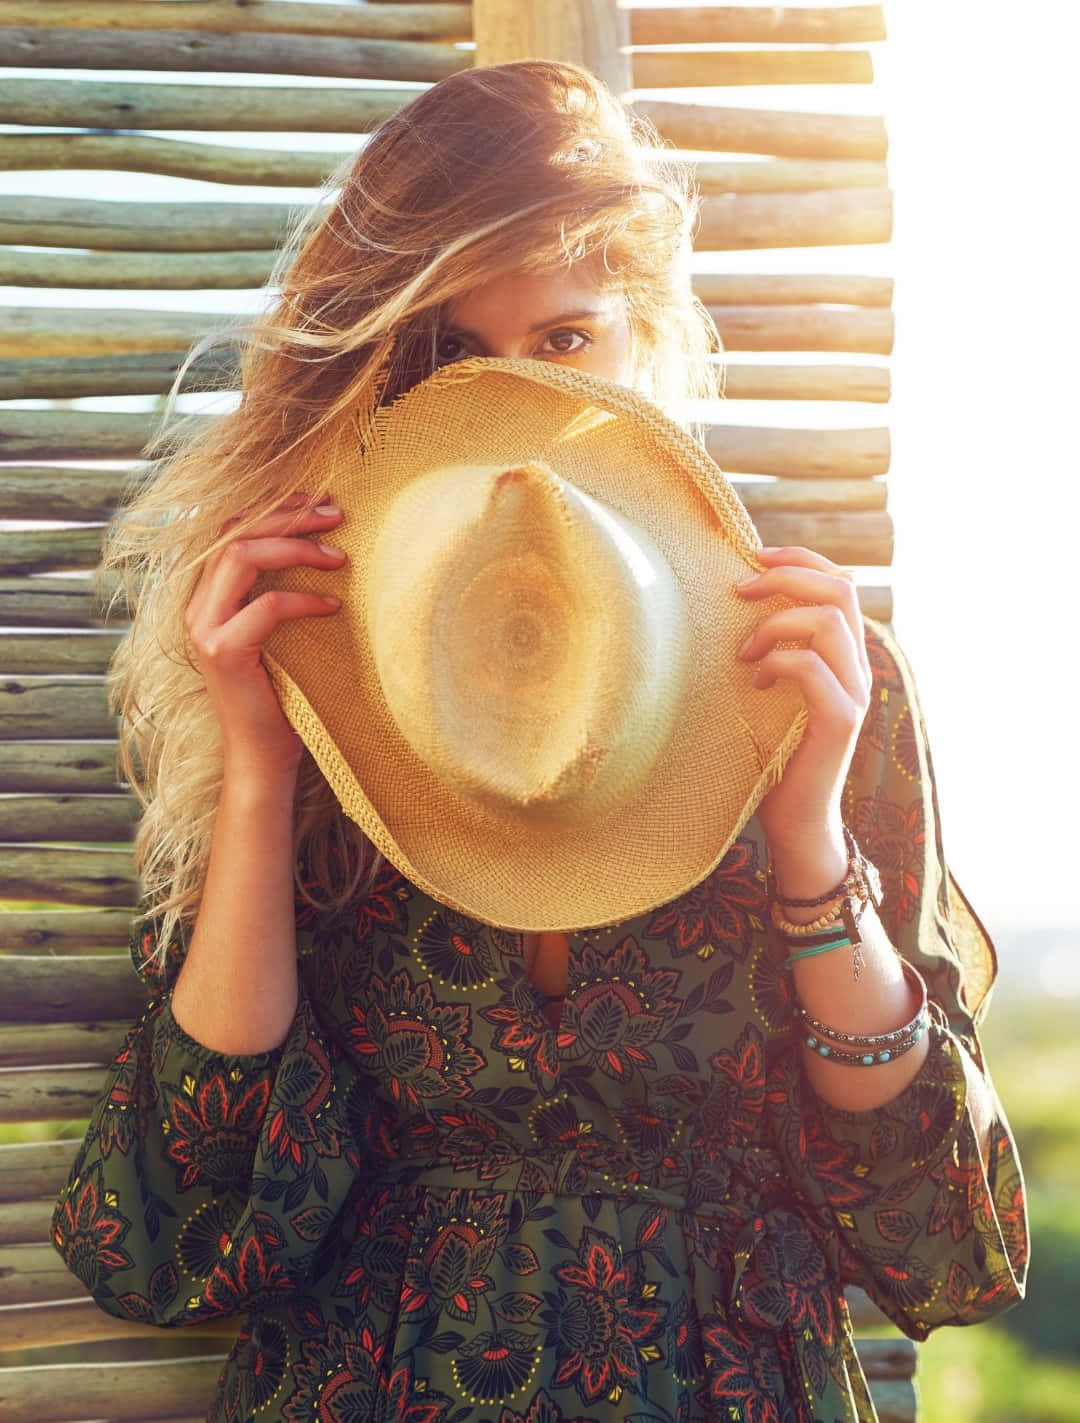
769	179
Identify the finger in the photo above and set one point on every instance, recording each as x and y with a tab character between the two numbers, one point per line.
803	558
247	630
804	584
321	512
824	628
230	578
830	705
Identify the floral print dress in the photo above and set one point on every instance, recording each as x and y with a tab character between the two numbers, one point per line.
433	1206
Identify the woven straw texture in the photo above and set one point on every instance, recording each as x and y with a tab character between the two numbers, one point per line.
515	868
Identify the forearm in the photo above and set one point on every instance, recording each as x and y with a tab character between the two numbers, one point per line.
880	1001
237	989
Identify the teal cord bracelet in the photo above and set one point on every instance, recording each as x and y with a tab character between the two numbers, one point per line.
821	948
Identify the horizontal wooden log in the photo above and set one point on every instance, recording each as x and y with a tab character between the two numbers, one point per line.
32	1274
55	492
787	175
54	709
203	52
800	454
802	289
804	328
64	931
45	550
70	989
83	767
729	222
48	1094
68	817
782	134
115	104
219	163
42	332
75	989
33	1169
811	496
24	1223
79	1321
61	875
750	221
848	539
152	373
123	1393
59	1045
450	23
51	602
74	434
40	654
133	271
44	221
684	69
745	24
810	382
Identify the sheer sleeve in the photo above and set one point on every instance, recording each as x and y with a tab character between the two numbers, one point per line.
931	1233
206	1181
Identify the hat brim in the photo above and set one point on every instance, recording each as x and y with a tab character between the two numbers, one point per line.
731	740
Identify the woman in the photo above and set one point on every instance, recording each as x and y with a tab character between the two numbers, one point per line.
449	1171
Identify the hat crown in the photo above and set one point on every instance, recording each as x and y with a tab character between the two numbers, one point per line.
530	642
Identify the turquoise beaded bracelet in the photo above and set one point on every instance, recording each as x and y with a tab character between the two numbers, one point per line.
875	1047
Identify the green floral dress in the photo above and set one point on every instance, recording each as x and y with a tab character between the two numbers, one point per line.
432	1206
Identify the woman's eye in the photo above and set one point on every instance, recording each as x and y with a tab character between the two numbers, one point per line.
449	348
561	339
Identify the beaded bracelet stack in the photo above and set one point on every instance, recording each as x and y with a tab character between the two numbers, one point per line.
838	927
874	1047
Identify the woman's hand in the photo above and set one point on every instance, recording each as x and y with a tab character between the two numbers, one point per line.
833	674
226	632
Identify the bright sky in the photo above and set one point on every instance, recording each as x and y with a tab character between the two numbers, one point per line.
982	417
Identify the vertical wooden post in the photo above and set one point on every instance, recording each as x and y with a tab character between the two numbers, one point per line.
592	33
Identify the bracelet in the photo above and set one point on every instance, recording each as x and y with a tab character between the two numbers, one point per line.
843	942
841	888
888	1046
861	886
867	1059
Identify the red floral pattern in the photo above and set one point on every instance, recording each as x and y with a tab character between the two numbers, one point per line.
436	1207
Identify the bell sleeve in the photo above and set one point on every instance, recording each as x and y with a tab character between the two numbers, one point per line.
206	1181
929	1231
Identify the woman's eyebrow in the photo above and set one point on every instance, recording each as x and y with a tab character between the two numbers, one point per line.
586	313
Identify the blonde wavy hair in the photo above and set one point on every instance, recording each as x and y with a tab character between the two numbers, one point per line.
522	167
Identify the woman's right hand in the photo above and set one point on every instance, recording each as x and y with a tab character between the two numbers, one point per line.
226	633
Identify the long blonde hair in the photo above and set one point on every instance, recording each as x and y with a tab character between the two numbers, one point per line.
524	167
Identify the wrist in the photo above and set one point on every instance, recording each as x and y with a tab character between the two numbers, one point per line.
808	864
259	786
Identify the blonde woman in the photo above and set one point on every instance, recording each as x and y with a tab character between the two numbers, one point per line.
447	1173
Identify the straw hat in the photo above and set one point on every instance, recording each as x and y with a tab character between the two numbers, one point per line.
530	698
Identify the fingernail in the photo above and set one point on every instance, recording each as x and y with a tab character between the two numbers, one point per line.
745	582
327	509
746	645
329	599
329	548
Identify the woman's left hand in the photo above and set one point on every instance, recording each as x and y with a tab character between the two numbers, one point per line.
833	673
